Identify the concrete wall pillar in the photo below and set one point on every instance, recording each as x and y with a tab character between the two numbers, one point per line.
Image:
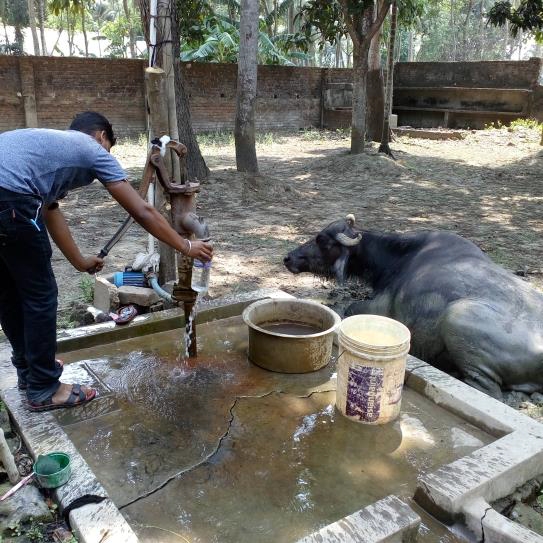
26	71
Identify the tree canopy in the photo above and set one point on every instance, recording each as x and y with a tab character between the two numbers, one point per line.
527	16
301	32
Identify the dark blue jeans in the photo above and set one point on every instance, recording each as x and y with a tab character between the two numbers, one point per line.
28	294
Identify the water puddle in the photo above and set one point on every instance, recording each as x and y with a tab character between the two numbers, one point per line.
217	449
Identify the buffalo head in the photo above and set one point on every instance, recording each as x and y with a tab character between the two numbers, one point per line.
326	255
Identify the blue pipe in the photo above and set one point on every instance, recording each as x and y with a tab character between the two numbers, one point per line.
153	281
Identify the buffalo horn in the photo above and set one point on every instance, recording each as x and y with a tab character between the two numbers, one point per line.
350	219
347	241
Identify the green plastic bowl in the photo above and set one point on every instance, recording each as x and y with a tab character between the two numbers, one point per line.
53	470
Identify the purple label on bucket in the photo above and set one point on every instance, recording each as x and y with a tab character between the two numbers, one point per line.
364	388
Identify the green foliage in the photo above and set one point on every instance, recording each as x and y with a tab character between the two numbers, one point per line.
526	123
215	139
193	15
410	12
526	16
86	286
496	125
532	124
117	30
226	139
14	12
36	532
269	138
313	134
221	44
458	31
72	6
65	322
323	21
15	529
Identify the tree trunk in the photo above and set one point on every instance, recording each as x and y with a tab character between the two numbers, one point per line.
290	19
338	51
246	159
269	26
196	166
70	28
6	37
41	20
411	48
360	76
32	21
385	137
375	89
60	31
362	28
453	31
19	39
465	54
84	30
131	38
231	12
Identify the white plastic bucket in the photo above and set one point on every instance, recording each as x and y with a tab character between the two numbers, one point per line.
371	368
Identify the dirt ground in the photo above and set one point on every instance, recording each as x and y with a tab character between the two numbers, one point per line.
486	187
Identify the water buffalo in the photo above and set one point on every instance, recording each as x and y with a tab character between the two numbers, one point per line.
467	315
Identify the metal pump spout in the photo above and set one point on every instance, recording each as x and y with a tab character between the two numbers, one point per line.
187	224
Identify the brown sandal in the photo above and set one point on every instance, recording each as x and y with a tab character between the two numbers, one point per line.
77	397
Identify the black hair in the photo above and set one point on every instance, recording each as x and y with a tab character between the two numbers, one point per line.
90	122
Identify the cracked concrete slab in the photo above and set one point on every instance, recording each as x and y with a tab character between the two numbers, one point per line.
191	430
178	442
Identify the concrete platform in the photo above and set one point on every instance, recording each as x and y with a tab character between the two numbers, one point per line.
499	448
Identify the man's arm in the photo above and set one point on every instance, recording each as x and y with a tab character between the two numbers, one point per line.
60	232
148	217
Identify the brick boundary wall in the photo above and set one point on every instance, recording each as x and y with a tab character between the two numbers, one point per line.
49	91
507	74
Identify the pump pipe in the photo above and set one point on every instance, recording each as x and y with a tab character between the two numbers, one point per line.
153	13
153	281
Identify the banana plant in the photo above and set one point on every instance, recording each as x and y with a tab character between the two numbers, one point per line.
221	44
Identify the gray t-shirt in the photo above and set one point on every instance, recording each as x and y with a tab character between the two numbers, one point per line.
49	163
